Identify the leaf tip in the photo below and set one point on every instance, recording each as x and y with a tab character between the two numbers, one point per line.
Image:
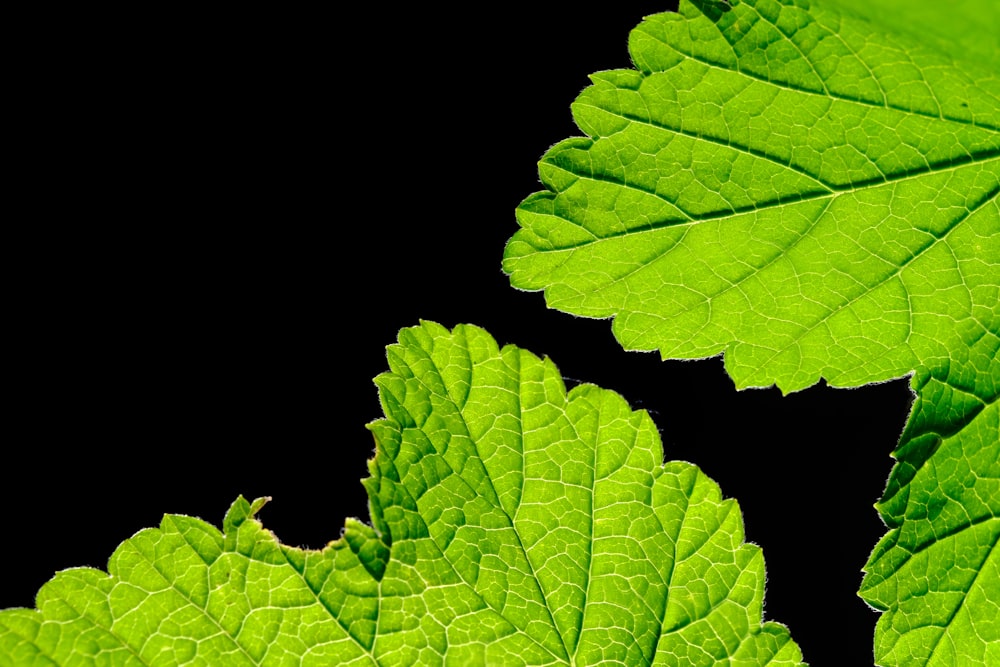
241	510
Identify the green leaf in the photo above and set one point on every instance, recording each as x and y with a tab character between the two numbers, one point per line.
786	184
513	524
937	572
812	189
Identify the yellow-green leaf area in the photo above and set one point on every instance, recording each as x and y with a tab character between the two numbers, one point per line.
184	594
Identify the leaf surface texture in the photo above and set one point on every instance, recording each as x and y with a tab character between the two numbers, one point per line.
513	523
784	183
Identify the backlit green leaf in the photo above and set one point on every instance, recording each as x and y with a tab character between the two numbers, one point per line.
782	183
513	524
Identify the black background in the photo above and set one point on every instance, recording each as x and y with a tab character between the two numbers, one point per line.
226	219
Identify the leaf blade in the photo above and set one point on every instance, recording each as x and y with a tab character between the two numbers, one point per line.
713	183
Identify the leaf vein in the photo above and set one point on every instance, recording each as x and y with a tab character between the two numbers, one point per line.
788	85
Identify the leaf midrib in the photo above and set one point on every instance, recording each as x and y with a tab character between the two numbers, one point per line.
983	158
499	506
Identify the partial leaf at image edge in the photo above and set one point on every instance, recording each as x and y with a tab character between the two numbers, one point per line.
183	593
936	574
513	524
